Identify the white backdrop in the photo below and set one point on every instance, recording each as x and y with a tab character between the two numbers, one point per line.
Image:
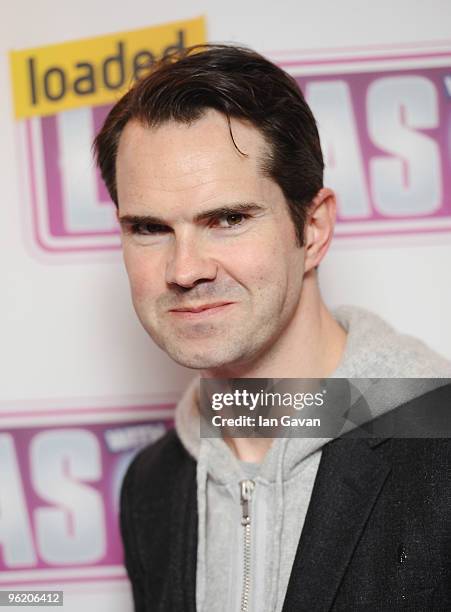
68	333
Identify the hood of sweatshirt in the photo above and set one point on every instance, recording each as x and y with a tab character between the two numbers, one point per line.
374	350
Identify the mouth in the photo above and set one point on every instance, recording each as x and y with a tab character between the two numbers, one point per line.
202	310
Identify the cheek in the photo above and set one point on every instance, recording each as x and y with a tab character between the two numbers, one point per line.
280	277
262	273
272	262
142	274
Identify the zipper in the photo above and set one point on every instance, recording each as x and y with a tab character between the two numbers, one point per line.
246	490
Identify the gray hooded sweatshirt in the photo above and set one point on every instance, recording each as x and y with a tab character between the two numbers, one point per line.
284	480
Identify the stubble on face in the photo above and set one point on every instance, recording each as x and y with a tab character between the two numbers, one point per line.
184	169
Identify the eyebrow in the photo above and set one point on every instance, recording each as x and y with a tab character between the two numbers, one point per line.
239	207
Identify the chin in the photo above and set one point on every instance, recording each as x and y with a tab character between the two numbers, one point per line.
197	361
207	359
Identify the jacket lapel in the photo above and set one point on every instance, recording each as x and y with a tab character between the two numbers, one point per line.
349	479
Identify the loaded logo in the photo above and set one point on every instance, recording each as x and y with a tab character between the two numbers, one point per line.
53	84
62	94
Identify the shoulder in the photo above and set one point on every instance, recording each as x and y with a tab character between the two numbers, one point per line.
426	416
154	470
374	349
415	439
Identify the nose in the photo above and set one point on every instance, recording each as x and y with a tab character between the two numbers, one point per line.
187	265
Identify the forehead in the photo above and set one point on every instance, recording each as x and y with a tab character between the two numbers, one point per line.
189	162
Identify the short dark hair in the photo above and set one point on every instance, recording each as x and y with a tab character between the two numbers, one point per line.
239	83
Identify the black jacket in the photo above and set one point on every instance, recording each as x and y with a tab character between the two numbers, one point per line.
377	535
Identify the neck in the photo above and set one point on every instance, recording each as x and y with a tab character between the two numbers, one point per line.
310	346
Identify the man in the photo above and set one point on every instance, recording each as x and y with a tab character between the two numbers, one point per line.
214	162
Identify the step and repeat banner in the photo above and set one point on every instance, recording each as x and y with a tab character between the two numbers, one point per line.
82	387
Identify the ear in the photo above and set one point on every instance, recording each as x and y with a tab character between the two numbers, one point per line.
319	227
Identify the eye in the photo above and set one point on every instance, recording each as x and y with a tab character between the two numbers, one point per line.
231	219
147	229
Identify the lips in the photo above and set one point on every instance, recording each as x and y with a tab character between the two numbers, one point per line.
201	308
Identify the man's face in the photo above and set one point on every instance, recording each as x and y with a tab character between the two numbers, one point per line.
209	245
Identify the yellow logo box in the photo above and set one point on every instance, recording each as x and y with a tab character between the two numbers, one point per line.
93	71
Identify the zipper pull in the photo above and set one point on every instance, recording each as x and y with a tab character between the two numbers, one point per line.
246	487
